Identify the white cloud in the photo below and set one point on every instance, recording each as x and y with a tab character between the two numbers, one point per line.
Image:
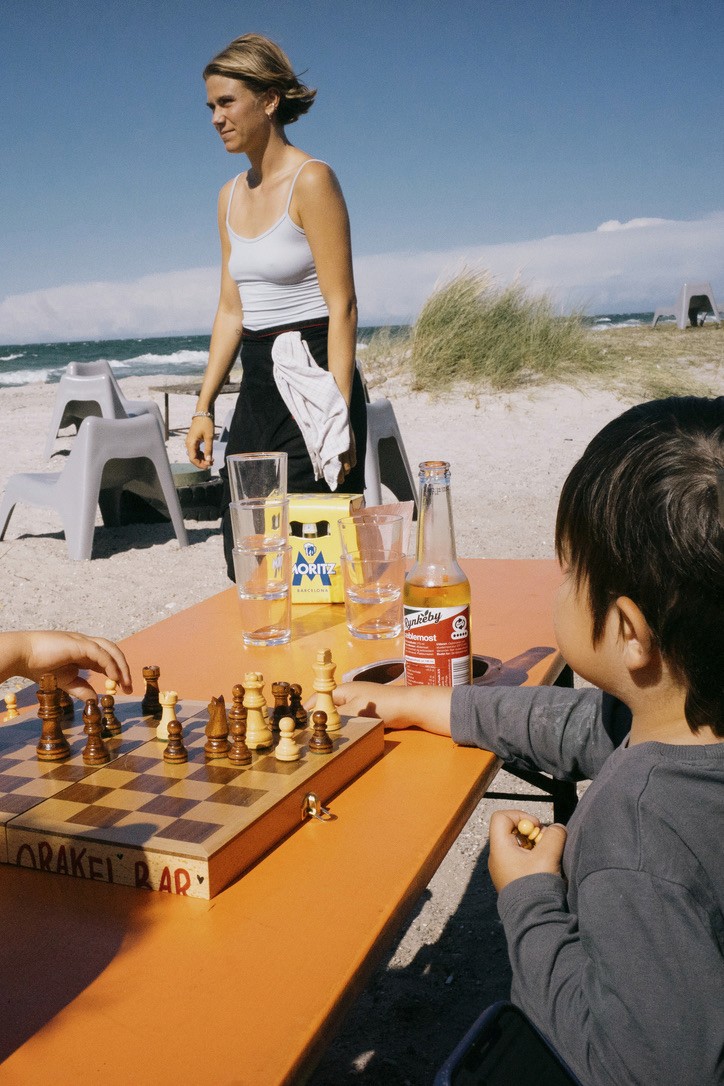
629	267
618	267
163	304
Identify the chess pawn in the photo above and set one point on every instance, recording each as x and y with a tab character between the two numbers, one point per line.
324	684
151	705
296	709
52	745
258	733
111	723
280	693
287	749
319	741
217	730
67	709
239	753
175	750
168	706
95	752
11	706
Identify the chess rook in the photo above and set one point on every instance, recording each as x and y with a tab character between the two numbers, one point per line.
151	705
168	713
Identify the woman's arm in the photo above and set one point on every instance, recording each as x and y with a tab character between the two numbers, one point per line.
224	346
319	205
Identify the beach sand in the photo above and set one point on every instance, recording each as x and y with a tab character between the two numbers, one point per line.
509	455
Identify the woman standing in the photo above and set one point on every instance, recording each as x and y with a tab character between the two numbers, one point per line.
286	266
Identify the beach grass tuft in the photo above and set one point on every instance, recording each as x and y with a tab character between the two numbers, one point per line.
472	333
472	330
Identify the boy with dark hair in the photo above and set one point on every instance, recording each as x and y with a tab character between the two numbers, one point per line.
615	927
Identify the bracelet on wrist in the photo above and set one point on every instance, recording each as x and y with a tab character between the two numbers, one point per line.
202	415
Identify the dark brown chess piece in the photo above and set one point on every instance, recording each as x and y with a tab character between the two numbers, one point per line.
52	745
319	741
111	723
175	750
67	708
239	753
280	693
296	709
151	706
95	752
217	730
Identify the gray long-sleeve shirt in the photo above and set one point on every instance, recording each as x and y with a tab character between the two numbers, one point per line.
620	963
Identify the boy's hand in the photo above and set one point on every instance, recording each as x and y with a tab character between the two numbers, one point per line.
509	861
425	707
65	654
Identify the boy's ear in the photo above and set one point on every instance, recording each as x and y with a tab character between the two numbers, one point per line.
635	634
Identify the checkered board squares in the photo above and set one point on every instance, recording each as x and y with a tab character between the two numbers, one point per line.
188	828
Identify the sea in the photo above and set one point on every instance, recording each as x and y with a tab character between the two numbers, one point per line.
168	356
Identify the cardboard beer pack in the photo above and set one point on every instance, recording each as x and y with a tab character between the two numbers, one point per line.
316	545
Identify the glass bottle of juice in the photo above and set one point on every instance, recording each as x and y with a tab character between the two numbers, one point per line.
436	594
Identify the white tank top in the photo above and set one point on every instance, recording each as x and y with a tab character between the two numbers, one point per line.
275	271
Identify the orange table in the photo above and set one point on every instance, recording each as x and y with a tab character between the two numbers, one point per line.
108	984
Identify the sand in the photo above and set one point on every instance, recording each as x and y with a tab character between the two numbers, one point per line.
509	455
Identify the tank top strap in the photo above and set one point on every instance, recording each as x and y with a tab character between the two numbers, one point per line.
231	197
294	181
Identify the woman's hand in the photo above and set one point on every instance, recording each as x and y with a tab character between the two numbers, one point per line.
200	442
509	860
348	459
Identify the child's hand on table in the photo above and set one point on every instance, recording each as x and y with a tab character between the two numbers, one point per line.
31	653
426	707
509	860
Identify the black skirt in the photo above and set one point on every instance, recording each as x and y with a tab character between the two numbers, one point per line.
262	422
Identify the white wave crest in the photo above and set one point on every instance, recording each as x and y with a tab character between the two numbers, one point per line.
10	357
26	377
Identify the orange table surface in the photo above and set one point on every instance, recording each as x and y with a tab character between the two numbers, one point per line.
109	984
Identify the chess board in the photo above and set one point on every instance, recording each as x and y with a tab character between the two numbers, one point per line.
187	829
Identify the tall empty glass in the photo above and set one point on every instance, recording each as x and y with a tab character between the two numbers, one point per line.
257	475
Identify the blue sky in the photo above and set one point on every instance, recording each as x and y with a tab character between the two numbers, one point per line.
472	134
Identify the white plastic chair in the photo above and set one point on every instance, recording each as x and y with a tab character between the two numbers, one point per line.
89	389
108	457
386	461
689	292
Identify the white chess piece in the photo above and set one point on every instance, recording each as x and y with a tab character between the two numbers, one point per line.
323	686
287	749
168	701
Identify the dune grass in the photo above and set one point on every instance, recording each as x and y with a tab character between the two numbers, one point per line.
473	334
471	330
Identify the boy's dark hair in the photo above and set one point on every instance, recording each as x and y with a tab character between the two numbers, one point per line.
640	516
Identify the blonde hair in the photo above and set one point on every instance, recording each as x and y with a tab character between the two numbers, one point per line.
262	65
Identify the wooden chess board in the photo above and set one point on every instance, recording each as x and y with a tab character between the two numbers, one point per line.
187	829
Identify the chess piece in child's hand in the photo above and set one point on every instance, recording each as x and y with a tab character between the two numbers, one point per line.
509	861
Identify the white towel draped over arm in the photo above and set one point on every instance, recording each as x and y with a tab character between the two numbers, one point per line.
316	404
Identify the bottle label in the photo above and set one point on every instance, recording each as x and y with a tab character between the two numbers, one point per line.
437	646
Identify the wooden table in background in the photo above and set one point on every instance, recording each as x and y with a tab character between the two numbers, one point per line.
109	984
188	389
